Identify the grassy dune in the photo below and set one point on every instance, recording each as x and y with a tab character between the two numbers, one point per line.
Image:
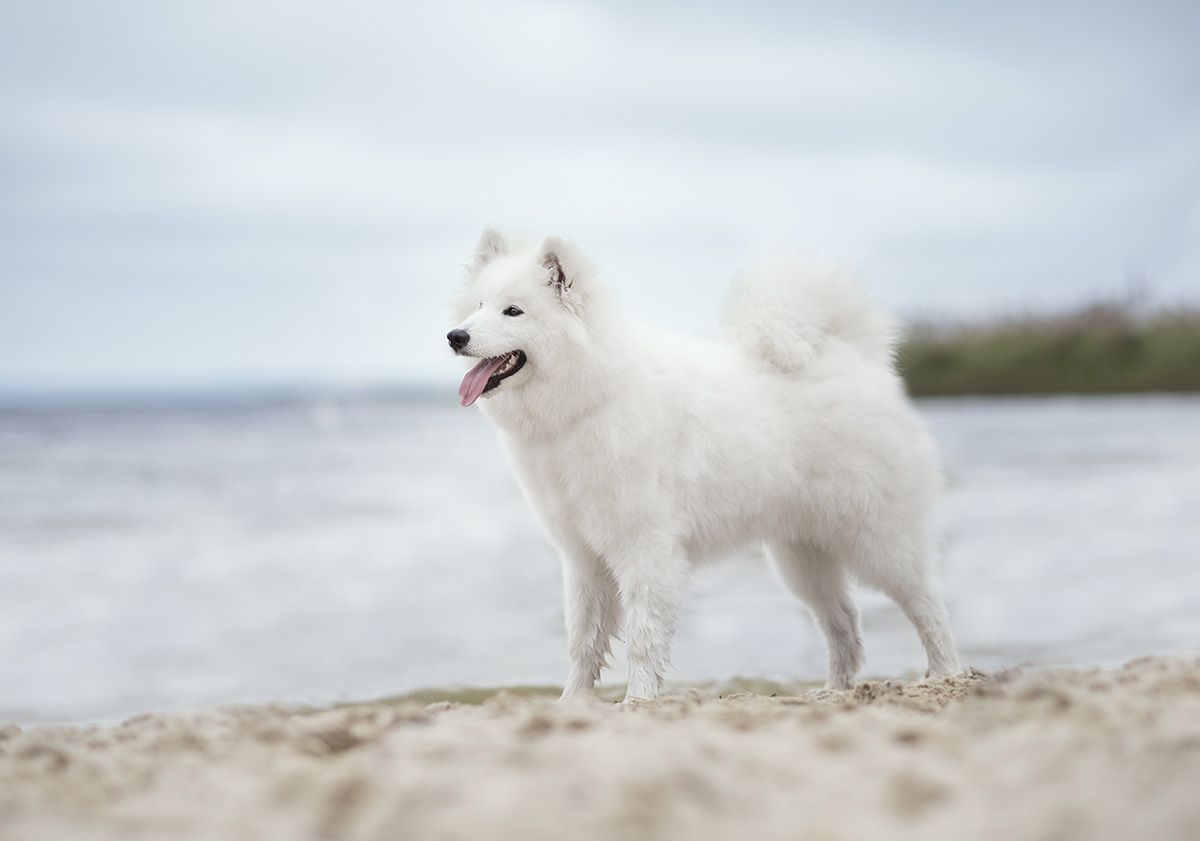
1103	349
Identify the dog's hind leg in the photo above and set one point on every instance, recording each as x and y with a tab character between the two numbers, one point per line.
818	578
924	608
900	570
592	611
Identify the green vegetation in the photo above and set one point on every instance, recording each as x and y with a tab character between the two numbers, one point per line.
1103	349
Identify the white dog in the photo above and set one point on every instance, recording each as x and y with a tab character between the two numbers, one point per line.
645	452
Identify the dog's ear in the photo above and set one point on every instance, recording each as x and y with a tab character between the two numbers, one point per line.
491	245
562	263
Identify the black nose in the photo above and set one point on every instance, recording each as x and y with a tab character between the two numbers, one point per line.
458	339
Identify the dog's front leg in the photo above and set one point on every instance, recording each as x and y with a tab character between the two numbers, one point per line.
592	612
651	582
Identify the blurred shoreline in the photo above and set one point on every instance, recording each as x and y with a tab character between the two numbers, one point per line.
1101	348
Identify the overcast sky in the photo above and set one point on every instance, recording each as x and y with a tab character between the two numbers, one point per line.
285	191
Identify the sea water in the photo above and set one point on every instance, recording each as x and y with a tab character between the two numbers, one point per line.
169	554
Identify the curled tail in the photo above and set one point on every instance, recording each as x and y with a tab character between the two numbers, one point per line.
787	316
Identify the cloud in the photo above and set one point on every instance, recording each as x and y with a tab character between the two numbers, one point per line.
286	190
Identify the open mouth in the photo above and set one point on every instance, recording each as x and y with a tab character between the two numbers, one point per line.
488	374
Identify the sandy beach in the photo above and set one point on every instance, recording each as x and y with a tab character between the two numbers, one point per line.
1043	754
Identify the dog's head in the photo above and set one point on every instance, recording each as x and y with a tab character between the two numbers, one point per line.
521	313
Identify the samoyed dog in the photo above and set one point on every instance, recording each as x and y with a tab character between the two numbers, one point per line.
645	452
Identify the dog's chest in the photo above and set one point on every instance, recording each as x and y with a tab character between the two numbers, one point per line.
595	488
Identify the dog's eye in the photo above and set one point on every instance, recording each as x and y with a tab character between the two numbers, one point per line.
514	311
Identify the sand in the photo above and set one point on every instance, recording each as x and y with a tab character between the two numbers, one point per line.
1092	754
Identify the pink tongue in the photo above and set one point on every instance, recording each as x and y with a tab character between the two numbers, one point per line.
477	378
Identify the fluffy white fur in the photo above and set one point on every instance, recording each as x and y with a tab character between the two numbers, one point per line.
645	452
